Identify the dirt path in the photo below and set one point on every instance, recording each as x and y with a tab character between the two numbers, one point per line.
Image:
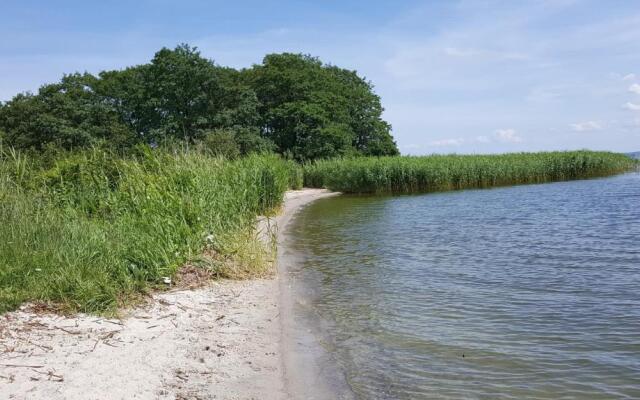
222	341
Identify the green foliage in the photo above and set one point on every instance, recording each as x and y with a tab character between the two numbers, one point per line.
89	230
69	114
291	103
452	172
250	141
221	143
314	111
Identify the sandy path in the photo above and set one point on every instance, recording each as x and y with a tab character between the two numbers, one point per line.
222	341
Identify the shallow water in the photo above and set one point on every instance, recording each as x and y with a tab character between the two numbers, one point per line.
510	293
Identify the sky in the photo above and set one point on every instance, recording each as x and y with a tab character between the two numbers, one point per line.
454	76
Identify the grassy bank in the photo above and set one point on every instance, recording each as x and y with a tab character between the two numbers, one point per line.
91	231
452	172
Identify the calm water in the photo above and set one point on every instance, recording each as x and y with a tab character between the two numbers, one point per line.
510	293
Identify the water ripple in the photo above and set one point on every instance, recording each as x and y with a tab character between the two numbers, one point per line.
510	293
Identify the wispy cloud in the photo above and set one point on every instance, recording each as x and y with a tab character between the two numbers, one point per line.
635	88
632	106
499	136
507	136
586	126
447	142
629	77
456	52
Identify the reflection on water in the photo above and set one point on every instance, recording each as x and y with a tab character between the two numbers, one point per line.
510	293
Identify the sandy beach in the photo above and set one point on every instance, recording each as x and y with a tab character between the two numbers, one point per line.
221	341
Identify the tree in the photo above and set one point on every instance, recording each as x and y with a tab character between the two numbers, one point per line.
178	87
372	133
68	114
311	110
291	103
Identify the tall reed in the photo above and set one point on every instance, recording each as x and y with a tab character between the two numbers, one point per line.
451	172
90	231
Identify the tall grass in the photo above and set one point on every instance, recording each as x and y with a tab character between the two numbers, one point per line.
91	231
451	172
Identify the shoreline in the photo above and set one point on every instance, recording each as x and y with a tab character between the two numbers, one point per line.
226	340
308	371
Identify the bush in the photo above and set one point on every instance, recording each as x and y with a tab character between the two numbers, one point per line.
221	142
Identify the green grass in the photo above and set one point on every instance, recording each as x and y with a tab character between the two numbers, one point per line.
452	172
91	231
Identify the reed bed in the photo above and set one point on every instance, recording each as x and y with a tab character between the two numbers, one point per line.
452	172
92	231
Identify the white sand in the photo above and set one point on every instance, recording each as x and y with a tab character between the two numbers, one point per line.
223	341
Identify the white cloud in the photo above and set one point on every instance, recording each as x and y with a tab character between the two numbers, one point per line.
629	77
461	141
485	53
586	126
632	106
457	52
507	136
447	142
635	88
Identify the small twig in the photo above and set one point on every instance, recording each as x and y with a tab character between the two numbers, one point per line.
21	366
40	345
68	331
109	335
152	326
50	374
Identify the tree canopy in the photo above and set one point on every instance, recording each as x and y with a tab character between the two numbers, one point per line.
290	103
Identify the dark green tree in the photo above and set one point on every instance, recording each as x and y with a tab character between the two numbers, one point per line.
69	114
291	103
311	110
179	86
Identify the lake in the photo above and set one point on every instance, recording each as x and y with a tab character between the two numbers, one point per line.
508	293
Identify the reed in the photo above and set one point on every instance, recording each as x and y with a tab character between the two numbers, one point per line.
452	172
92	231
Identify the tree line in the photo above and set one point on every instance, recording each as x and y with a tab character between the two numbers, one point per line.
292	104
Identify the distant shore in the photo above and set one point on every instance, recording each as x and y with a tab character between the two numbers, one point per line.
222	341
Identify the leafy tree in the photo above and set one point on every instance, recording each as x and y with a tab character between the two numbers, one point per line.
68	114
221	142
250	141
291	103
317	111
178	87
372	133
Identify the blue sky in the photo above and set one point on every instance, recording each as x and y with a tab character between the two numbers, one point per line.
454	76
